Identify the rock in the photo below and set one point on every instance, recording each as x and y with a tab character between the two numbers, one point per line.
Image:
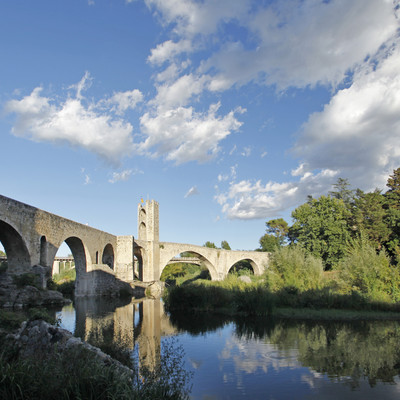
41	339
245	279
12	296
155	289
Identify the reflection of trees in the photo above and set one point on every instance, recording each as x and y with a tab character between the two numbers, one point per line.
355	350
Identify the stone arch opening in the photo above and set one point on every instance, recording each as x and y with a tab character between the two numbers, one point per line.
142	231
138	264
43	252
18	258
243	267
188	264
108	256
72	266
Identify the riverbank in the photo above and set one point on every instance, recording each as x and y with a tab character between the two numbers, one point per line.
40	360
235	297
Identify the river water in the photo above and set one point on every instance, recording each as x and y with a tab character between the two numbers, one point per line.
255	358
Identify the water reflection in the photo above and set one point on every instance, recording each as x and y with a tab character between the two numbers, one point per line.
257	358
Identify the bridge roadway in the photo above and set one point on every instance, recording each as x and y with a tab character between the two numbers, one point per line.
103	262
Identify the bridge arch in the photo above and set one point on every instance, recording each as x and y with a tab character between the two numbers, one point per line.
257	270
81	256
236	265
108	255
18	257
168	254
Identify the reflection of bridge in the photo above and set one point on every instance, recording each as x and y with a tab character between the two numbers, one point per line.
141	322
103	261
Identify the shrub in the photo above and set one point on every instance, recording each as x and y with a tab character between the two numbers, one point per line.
27	279
291	266
368	272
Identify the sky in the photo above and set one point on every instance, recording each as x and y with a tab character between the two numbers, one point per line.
229	113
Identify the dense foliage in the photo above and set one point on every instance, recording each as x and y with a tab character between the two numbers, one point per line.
325	226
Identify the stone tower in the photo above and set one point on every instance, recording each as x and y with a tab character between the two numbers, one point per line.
148	221
148	235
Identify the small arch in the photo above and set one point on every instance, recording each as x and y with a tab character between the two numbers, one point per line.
243	267
204	262
43	251
138	263
108	256
18	258
97	257
142	231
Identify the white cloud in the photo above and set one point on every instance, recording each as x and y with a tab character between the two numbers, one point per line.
358	132
124	101
191	18
253	200
191	192
120	176
168	50
301	43
76	122
246	151
183	135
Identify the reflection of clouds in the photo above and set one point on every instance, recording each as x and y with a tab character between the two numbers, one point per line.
248	356
196	364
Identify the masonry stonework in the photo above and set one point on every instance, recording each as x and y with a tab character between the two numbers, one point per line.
31	236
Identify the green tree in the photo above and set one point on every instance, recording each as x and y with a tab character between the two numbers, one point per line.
210	245
277	233
2	254
393	193
369	217
320	226
392	206
279	228
342	191
269	243
225	245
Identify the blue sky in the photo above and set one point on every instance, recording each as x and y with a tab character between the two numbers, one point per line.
228	113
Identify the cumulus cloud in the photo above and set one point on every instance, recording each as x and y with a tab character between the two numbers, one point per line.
191	192
304	43
168	50
254	200
123	101
183	135
355	136
358	132
77	122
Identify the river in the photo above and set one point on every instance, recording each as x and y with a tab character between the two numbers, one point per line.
254	358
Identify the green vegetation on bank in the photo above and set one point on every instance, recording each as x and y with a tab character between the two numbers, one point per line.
64	282
76	373
364	281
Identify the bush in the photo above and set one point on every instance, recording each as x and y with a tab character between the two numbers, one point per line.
368	272
27	279
291	266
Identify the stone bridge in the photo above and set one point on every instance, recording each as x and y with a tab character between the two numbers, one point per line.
103	261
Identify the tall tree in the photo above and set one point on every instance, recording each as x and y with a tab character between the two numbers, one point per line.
320	226
369	217
269	243
225	245
342	191
393	214
393	193
279	228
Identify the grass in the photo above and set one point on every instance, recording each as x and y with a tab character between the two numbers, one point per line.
232	296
